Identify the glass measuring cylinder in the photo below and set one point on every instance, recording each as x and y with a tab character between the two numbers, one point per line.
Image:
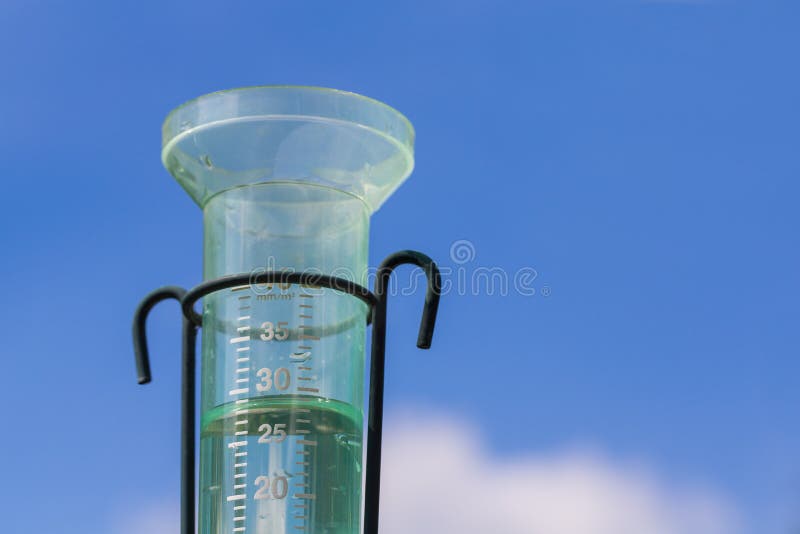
287	178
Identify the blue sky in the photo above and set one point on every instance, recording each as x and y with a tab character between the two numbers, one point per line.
641	156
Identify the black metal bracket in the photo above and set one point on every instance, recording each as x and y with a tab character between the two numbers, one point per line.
377	301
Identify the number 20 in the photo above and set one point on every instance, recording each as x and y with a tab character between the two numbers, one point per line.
278	489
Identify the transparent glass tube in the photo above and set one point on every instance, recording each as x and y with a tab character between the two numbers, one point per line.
283	365
287	178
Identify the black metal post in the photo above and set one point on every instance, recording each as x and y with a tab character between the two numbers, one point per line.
142	354
188	379
378	363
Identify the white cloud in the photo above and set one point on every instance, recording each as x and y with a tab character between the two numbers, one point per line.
157	517
437	479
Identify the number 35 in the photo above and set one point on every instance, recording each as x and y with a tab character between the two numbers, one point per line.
277	332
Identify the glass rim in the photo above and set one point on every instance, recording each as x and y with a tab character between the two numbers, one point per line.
402	134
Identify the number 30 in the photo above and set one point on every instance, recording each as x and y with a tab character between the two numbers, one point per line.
281	379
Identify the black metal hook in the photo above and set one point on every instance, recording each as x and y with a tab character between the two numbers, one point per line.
378	363
140	350
432	293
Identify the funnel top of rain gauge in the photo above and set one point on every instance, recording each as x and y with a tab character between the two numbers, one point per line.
288	134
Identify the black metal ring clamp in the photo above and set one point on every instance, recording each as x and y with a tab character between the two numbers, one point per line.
377	301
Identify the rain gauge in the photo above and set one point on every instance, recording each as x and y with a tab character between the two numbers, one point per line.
287	178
